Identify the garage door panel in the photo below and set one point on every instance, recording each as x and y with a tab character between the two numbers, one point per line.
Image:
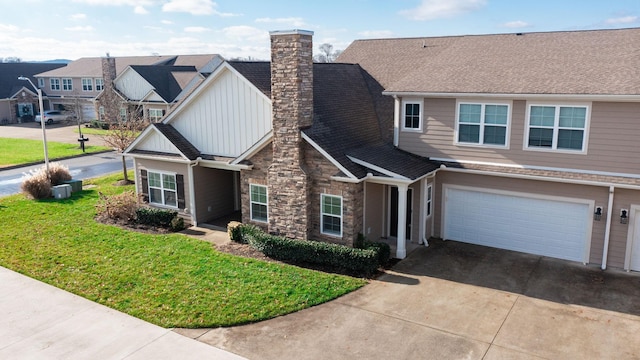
547	227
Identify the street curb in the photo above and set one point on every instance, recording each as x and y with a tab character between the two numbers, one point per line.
13	167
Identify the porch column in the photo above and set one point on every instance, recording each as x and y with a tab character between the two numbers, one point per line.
401	246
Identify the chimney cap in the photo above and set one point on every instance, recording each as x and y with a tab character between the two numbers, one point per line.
291	32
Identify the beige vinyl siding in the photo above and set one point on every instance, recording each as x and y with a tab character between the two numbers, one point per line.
596	193
612	137
215	193
617	244
375	214
157	142
168	167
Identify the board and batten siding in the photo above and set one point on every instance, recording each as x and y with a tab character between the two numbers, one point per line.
132	85
227	117
611	143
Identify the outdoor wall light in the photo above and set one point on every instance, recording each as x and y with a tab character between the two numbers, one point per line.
597	215
624	216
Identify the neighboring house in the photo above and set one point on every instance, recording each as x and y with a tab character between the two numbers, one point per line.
518	141
82	81
18	99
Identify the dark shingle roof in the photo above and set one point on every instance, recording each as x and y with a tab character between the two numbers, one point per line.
387	157
178	140
162	79
9	73
594	62
349	112
257	72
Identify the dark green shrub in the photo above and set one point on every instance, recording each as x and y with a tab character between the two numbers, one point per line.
97	124
233	229
382	249
337	257
155	217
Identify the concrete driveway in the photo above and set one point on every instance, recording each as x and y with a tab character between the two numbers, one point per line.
459	301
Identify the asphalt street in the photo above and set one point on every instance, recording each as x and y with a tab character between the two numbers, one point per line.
83	167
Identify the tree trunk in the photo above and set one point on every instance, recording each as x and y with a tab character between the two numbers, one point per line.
124	169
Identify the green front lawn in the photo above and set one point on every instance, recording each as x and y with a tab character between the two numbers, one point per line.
21	151
92	131
169	280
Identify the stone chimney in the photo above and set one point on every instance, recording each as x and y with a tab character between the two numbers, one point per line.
292	111
108	100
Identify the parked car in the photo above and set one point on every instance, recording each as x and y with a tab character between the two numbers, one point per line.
53	116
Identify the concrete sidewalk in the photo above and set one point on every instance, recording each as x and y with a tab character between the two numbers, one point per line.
39	321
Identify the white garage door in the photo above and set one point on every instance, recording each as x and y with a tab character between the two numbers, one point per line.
552	227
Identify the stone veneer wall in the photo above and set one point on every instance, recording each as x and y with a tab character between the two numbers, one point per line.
292	110
320	172
258	175
109	99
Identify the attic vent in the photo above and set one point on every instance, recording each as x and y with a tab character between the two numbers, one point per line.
519	34
424	44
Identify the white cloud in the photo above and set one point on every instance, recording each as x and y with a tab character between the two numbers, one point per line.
194	7
166	22
622	20
133	3
80	28
140	10
438	9
246	33
516	24
78	16
293	21
196	29
8	28
376	33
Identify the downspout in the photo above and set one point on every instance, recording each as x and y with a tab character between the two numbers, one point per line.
192	198
607	230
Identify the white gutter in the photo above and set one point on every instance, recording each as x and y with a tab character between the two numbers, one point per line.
607	231
582	97
192	198
540	178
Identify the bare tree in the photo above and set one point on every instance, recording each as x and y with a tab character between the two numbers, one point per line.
121	134
326	54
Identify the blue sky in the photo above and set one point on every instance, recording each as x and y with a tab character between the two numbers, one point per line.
70	29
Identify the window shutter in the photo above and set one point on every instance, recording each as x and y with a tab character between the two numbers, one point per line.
145	185
180	190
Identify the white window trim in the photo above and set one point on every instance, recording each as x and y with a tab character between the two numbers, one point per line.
162	188
99	81
59	84
123	114
89	84
418	101
41	82
155	118
251	202
70	83
428	202
553	149
482	124
322	197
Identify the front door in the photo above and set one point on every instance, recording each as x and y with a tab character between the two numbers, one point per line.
393	226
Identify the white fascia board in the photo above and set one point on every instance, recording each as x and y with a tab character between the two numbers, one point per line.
159	158
378	169
544	168
327	156
24	88
223	165
555	97
255	148
150	131
387	181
